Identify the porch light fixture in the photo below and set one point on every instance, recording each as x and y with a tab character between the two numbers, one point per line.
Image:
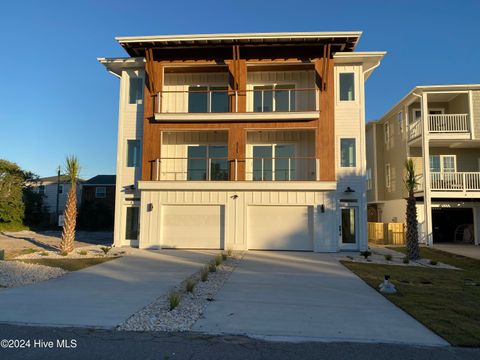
349	190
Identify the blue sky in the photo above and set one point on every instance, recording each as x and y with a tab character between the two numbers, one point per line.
56	99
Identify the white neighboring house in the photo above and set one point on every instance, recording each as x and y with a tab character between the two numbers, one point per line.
439	128
48	186
242	141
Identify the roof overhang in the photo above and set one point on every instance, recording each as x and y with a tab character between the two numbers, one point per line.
369	60
116	65
135	45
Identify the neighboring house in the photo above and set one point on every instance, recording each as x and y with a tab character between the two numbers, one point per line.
99	189
242	141
98	203
439	128
48	186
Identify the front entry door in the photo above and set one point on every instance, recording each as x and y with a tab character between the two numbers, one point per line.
348	228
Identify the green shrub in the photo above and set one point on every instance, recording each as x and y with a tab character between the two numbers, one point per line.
406	260
190	285
388	257
44	253
229	252
212	267
106	249
366	254
204	274
218	259
224	256
433	262
83	252
174	300
64	253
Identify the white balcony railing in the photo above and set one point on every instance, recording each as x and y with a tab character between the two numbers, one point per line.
415	130
455	181
224	169
450	123
222	100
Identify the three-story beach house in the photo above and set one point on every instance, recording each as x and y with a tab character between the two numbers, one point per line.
242	141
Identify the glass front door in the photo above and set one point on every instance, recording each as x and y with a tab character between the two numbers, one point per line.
348	226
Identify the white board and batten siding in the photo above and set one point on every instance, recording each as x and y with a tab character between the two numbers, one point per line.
238	220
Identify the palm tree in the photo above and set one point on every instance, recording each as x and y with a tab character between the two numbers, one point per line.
411	182
68	233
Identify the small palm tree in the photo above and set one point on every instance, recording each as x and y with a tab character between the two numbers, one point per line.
68	233
411	182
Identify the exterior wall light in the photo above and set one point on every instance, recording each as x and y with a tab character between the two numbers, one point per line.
349	190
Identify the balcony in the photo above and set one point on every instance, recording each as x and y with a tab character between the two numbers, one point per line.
273	102
453	184
441	124
224	169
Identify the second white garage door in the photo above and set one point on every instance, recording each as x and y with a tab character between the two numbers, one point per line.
280	228
193	226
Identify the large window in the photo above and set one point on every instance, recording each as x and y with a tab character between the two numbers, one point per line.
41	189
131	224
207	162
136	91
347	86
274	162
443	163
133	153
203	99
348	153
270	98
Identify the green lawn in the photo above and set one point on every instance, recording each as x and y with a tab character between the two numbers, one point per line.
70	264
446	301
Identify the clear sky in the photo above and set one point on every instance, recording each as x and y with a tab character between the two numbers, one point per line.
56	99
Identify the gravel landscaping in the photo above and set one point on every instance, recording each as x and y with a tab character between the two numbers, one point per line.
157	316
379	256
94	251
17	273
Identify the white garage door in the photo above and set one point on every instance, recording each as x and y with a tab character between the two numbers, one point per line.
280	228
193	226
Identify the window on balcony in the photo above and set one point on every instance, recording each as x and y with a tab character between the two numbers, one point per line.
133	153
347	86
274	162
270	98
207	162
204	99
443	163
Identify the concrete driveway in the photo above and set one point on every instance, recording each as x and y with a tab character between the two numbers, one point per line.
298	296
104	295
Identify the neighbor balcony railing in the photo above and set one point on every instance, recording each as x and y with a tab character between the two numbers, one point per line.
441	123
223	100
452	181
224	169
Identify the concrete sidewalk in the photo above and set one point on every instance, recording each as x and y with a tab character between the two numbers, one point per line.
104	295
298	296
468	250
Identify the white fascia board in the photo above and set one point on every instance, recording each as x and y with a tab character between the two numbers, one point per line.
238	36
370	60
116	65
238	185
248	116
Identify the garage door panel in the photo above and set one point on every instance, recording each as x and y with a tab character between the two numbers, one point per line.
193	226
280	228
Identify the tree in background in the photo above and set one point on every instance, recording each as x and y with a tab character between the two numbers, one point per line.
411	183
68	234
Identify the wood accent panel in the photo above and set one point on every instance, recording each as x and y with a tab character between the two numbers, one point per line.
236	150
325	151
151	137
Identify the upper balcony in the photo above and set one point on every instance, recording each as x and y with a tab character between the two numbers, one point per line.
269	95
448	118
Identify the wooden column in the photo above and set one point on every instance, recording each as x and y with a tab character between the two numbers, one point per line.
151	130
325	144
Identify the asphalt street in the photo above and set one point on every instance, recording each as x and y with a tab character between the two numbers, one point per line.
108	344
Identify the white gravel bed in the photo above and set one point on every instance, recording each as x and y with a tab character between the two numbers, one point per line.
378	257
18	273
93	251
157	315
